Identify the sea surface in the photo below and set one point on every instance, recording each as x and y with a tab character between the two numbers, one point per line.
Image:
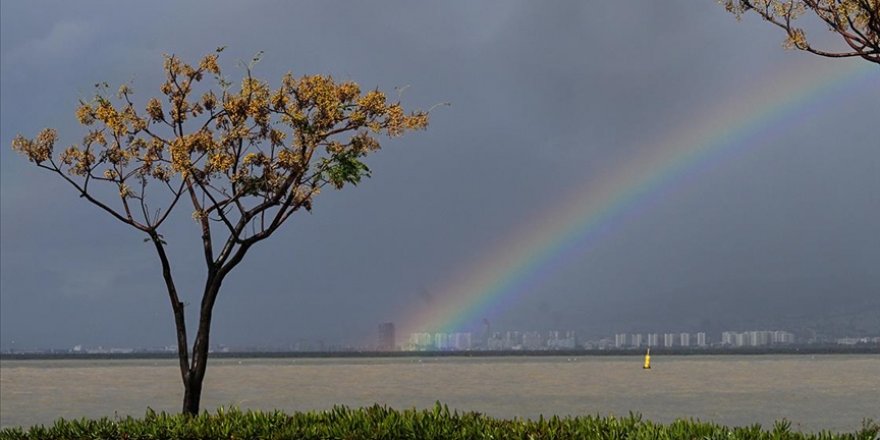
814	392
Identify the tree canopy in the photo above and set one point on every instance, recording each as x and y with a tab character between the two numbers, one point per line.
239	154
856	21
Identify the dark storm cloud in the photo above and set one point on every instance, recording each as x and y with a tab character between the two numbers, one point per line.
542	96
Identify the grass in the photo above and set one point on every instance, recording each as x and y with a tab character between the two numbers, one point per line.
380	422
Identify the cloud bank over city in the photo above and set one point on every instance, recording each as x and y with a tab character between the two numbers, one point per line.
776	230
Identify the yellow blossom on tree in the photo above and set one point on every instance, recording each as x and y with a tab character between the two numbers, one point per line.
84	114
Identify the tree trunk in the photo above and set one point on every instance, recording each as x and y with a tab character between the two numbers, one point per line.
195	375
192	369
192	395
192	382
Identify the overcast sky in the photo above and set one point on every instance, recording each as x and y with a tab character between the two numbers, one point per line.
783	231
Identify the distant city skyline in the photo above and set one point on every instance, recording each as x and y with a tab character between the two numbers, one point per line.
509	341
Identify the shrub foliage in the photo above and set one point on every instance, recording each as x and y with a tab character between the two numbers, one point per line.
380	422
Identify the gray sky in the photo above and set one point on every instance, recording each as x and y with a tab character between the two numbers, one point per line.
783	233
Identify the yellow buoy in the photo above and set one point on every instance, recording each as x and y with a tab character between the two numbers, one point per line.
647	359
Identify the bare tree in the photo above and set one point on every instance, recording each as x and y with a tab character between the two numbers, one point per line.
856	21
245	159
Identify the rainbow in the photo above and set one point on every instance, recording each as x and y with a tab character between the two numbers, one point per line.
543	244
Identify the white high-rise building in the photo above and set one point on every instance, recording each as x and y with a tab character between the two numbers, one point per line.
781	337
668	339
513	340
701	339
653	340
495	342
421	341
620	340
459	341
562	341
636	339
684	339
728	338
532	341
756	338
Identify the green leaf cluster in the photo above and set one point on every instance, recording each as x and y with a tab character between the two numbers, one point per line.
345	167
380	422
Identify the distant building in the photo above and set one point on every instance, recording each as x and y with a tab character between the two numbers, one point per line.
441	341
420	342
856	341
668	339
620	340
757	338
513	340
532	341
728	338
684	339
653	340
487	333
561	340
701	339
782	337
386	337
460	341
636	339
495	342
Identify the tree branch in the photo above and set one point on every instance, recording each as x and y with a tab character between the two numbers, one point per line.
207	245
84	194
176	305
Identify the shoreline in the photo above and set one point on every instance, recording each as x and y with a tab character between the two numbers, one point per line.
659	351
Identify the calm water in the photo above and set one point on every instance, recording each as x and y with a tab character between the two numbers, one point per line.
814	392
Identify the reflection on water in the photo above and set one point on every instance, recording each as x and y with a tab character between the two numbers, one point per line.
815	392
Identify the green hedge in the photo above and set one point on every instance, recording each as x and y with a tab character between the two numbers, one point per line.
379	422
